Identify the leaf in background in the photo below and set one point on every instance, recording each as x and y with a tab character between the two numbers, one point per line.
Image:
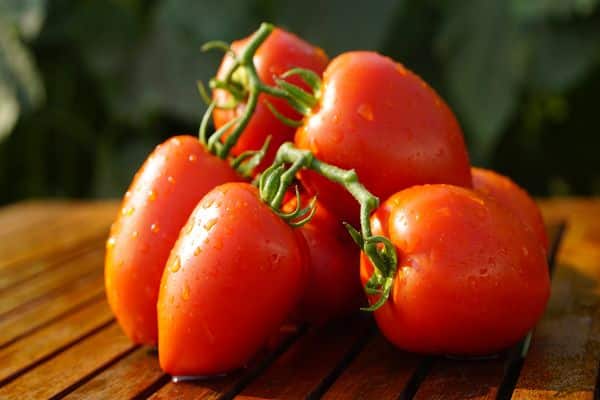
564	54
484	58
336	25
542	9
26	15
20	84
164	74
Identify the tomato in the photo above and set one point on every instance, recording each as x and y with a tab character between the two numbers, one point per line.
333	288
471	279
280	52
160	199
512	196
382	120
234	275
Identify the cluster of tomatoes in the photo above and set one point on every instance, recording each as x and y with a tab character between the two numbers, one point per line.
208	266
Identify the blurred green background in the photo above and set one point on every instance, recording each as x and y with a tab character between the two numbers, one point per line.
88	88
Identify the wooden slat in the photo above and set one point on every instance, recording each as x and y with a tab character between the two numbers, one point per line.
24	215
379	372
44	284
71	366
308	362
52	338
58	303
76	225
564	354
18	273
129	377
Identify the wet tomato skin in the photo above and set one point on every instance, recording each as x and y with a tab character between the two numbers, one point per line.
333	289
161	197
280	52
234	275
472	279
510	195
382	120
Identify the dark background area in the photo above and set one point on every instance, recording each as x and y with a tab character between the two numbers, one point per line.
88	88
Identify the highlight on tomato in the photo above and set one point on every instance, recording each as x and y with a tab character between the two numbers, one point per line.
471	279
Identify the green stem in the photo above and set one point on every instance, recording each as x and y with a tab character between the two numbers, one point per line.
380	250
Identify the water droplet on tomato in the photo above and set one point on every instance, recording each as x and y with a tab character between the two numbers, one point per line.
218	243
210	223
483	271
185	294
127	211
177	142
275	258
170	179
154	228
151	195
365	111
192	157
175	265
525	251
127	194
189	227
207	203
134	234
198	250
110	243
336	118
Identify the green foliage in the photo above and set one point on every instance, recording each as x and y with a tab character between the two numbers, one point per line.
87	88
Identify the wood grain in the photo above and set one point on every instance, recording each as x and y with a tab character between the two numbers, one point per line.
52	338
38	313
70	366
563	358
53	281
124	380
80	223
302	368
379	372
15	274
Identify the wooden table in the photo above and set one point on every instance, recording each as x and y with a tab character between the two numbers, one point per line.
58	337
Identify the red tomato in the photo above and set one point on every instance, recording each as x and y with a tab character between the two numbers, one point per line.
471	280
382	120
235	273
333	288
160	199
280	52
510	195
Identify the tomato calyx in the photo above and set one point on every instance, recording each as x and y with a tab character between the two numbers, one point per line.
274	183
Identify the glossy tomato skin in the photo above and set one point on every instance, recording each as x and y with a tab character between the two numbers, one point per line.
472	279
280	52
510	195
333	289
385	122
232	278
158	203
